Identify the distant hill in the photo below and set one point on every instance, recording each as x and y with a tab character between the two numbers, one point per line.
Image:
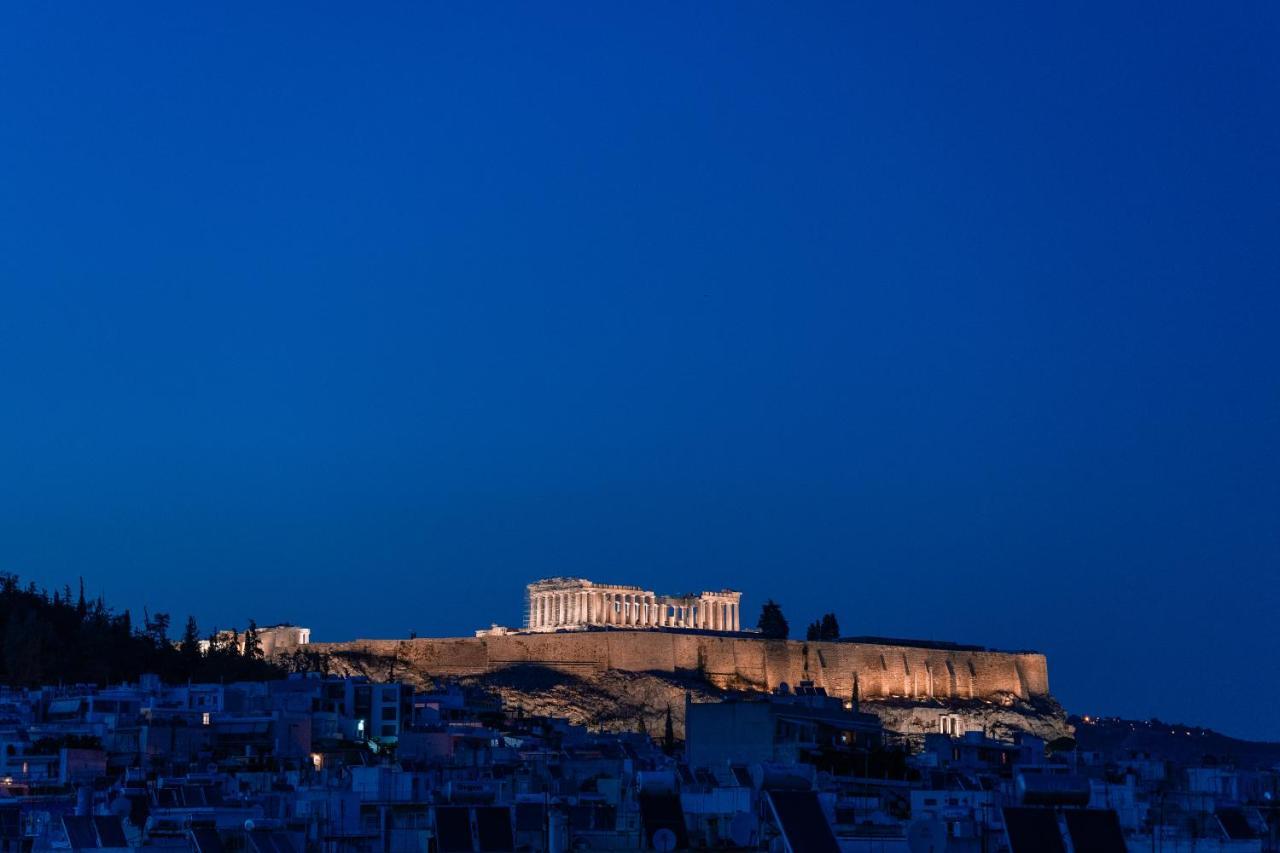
1172	741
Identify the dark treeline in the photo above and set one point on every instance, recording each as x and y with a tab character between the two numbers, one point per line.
64	638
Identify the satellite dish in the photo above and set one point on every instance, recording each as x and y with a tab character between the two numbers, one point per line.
665	840
926	835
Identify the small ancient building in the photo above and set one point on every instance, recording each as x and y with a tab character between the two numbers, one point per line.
556	604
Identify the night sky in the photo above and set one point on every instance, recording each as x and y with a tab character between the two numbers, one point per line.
961	323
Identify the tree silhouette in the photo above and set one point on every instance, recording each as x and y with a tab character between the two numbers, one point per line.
252	642
66	638
773	625
190	645
826	628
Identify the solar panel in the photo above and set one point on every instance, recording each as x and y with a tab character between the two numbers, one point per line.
580	817
453	828
262	842
206	840
530	817
1236	825
283	842
663	811
139	809
494	826
804	826
80	832
10	825
110	831
1033	831
1096	830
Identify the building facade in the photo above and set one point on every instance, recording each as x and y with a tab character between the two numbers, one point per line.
556	604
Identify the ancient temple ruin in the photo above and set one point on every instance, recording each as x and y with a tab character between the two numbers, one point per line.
556	604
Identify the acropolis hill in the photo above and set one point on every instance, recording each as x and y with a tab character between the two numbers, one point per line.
580	633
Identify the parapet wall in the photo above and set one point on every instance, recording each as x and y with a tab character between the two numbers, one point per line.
881	671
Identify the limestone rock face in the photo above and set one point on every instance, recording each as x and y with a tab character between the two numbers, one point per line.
609	683
1042	717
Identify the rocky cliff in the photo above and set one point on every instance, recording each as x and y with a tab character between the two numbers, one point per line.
622	680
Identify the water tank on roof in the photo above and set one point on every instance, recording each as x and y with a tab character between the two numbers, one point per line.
782	777
1035	789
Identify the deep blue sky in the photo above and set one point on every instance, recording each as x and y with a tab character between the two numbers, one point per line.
961	323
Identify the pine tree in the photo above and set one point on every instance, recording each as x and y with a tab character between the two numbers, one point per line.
82	607
190	645
158	629
830	629
669	734
773	625
252	643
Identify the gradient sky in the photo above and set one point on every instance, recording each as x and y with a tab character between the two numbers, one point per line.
962	323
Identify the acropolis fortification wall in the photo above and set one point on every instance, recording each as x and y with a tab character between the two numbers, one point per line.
881	670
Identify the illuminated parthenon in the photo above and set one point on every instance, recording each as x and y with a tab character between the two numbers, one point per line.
561	603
